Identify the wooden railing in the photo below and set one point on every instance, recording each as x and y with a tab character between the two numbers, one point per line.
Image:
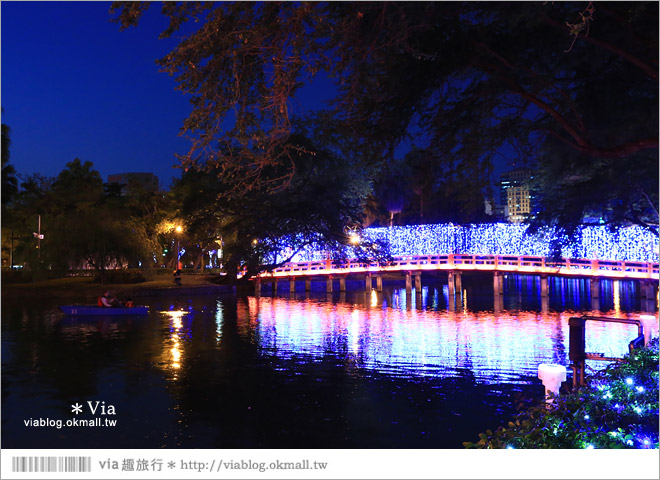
502	263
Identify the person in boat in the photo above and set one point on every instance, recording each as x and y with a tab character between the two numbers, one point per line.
129	303
108	300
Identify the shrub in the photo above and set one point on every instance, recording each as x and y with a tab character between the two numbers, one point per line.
618	408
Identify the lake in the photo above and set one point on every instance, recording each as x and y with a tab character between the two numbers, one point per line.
296	370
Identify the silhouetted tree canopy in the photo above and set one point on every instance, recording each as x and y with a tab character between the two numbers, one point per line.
325	196
571	84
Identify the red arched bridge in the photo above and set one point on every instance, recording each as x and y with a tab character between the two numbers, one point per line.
455	264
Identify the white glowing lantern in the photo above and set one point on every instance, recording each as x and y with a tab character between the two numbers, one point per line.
552	375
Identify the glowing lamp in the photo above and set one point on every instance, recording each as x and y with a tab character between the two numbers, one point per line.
552	375
649	324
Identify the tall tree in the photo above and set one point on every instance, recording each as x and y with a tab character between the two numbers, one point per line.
262	228
475	76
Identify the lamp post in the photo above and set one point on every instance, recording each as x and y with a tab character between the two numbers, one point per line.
178	229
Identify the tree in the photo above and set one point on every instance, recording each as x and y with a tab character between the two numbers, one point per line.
475	77
81	223
99	237
9	180
263	228
78	184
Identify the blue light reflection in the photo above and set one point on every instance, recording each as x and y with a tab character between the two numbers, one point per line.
405	341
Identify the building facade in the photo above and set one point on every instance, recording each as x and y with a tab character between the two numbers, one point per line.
516	195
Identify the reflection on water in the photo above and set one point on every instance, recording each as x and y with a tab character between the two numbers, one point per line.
351	369
405	335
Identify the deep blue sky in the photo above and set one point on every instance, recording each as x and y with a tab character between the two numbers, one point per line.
74	85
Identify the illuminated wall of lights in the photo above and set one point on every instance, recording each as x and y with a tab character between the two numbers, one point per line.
596	242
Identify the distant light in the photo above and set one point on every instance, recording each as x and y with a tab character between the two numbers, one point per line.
629	381
640	389
178	229
355	239
586	417
590	447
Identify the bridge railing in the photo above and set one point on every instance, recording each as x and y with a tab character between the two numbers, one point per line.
506	263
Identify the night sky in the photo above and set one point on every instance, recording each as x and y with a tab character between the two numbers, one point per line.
73	85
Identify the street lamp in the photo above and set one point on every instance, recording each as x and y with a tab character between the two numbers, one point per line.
178	230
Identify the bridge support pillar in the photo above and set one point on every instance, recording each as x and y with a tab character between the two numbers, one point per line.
451	305
595	287
308	284
458	281
379	283
328	284
408	283
647	290
257	286
545	304
545	290
498	283
292	284
342	283
498	304
451	283
367	282
276	285
647	295
418	282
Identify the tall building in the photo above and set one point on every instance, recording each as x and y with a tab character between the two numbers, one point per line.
516	194
135	181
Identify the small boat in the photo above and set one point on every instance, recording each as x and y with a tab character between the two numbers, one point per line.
96	310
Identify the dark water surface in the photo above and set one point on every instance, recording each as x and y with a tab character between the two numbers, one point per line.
353	370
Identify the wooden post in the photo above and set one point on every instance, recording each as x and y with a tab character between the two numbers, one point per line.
408	283
576	349
308	284
458	281
342	283
379	283
257	286
367	283
292	284
328	284
275	285
418	282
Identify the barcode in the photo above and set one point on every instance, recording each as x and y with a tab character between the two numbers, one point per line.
51	464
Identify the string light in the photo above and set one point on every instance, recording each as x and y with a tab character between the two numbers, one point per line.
631	243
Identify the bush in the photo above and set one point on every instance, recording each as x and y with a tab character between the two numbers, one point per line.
617	409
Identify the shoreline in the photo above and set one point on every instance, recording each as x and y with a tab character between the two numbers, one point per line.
84	287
